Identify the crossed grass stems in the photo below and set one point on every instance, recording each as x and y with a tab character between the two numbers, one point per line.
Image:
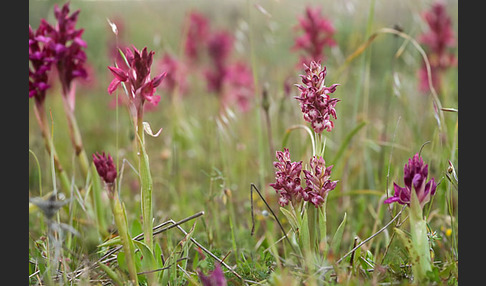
165	226
51	206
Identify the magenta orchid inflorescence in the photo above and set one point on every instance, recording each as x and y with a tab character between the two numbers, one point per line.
315	102
318	181
238	86
60	45
67	45
41	59
318	33
437	39
288	184
177	71
197	36
287	178
219	46
414	176
136	76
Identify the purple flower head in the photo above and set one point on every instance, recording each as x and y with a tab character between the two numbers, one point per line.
40	62
220	45
318	181
315	102
287	178
437	39
105	167
67	46
414	177
136	77
197	35
318	33
215	278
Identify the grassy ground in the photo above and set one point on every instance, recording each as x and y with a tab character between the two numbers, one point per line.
205	161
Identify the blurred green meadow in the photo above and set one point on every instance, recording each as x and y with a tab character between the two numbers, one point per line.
206	158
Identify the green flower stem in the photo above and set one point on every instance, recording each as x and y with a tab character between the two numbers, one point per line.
320	144
146	184
421	262
317	227
41	120
313	226
322	221
146	192
97	202
118	209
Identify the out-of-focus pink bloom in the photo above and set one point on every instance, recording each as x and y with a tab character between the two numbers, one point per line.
287	178
440	35
437	39
40	62
220	45
414	176
176	74
66	45
136	77
105	167
318	182
315	102
318	33
215	278
197	36
238	86
424	79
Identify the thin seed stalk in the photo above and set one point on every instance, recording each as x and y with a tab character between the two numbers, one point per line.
421	262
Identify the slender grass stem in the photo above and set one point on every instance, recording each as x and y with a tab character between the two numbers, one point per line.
39	171
371	237
86	168
42	121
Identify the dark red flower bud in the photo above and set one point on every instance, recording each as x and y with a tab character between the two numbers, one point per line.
105	167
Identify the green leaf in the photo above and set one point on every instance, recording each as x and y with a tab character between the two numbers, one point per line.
110	242
304	233
291	218
111	273
120	258
338	236
122	54
148	261
135	228
322	224
404	238
158	260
